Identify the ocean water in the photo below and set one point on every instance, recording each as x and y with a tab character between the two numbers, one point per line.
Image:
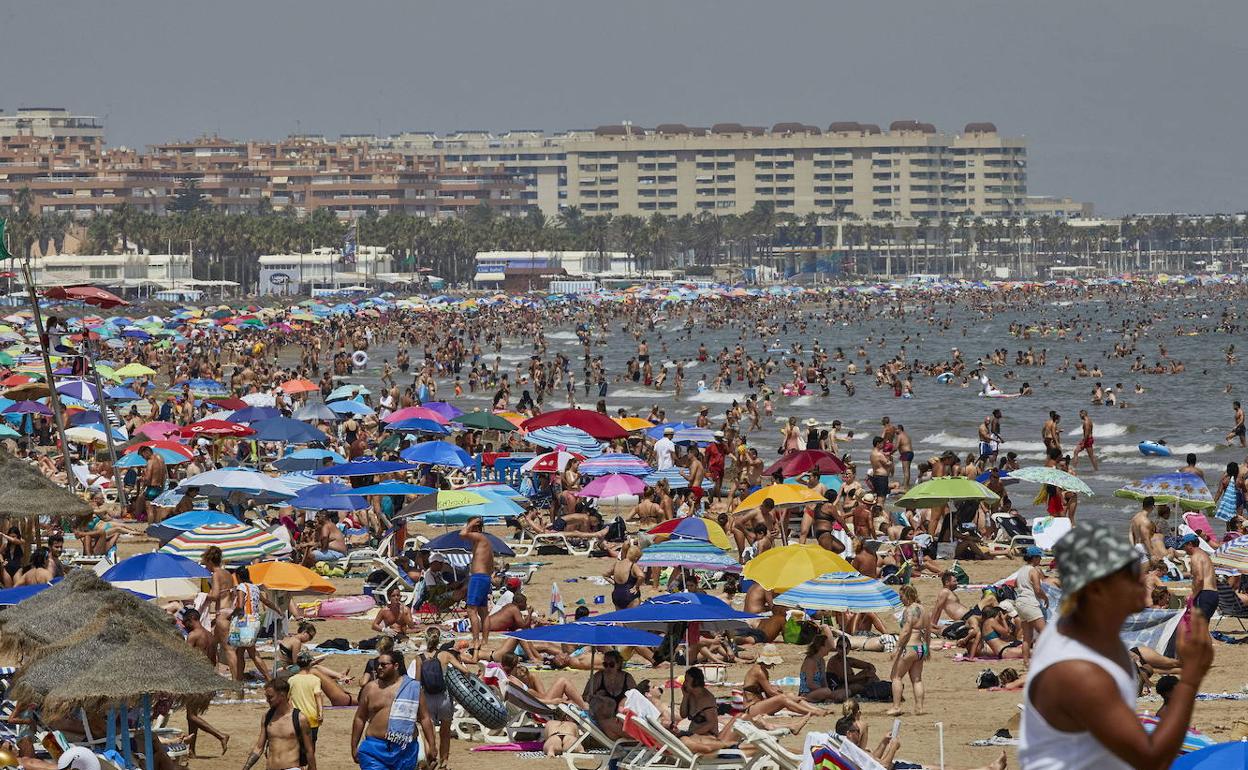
1191	411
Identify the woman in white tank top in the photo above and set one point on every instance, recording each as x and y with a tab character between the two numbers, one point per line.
1079	702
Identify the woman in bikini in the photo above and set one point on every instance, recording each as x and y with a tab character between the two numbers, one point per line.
912	650
762	698
562	691
612	681
704	734
331	681
813	684
997	636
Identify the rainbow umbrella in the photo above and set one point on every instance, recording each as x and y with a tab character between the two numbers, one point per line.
693	528
691	554
239	543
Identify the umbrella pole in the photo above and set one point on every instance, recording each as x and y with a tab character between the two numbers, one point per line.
149	756
110	728
54	400
118	476
124	732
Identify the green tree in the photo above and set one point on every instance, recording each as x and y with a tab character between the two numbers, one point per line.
187	197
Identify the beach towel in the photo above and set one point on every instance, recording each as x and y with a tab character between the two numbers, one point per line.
402	725
1228	503
635	731
520	746
827	751
1148	628
640	705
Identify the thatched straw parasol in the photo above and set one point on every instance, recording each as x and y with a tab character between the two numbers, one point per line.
112	660
26	492
53	615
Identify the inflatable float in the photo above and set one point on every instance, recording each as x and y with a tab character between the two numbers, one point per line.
345	606
359	358
944	377
1153	449
477	699
789	390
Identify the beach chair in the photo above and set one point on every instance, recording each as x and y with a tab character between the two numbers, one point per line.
1229	606
366	555
768	744
593	745
528	716
834	750
575	546
409	592
674	755
1013	535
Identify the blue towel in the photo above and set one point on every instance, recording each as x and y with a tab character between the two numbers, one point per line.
402	725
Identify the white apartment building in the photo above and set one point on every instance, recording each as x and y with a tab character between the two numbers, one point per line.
910	171
113	270
322	268
50	122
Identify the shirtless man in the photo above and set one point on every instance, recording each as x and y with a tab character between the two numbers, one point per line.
220	601
984	435
372	746
1239	430
482	567
394	619
512	616
199	638
1204	583
881	468
151	483
285	736
330	544
1051	433
744	523
1143	530
1085	443
694	474
905	452
947	602
1191	466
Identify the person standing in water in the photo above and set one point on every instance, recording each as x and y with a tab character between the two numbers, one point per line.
1239	430
1085	443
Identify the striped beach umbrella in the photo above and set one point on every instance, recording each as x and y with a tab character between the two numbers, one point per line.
693	528
1233	555
615	462
566	437
674	479
239	543
841	592
691	554
699	436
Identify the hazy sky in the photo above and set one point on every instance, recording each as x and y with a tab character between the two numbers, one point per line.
1137	105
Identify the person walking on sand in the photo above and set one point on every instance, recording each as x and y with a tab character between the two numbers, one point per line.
1080	698
912	650
285	739
1085	443
383	733
482	567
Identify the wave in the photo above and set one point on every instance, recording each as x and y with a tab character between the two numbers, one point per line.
561	336
647	393
716	397
1103	430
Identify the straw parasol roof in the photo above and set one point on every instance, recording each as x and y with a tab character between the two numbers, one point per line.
115	659
53	615
27	492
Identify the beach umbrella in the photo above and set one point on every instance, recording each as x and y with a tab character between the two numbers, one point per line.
347	391
656	432
254	414
804	461
1053	477
315	410
287	430
438	453
1233	555
393	488
298	386
782	495
350	407
445	499
565	437
161	575
91	295
229	404
633	424
91	434
121	393
596	424
1220	756
485	421
329	496
453	541
239	543
27	407
365	466
419	425
134	370
1187	490
448	411
28	390
615	462
79	389
260	399
588	635
216	429
244	480
943	490
12	596
7	432
307	459
288	578
613	485
415	412
699	436
782	568
551	462
689	554
173	526
674	479
841	592
692	528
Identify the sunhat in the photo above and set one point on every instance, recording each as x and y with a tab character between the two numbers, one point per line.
1089	552
770	655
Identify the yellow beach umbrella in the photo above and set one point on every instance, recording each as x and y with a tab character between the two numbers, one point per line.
781	495
779	569
631	424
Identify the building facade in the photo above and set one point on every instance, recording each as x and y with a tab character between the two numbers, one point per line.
50	122
113	270
908	172
323	268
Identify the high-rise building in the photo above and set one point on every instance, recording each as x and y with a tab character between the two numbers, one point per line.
50	122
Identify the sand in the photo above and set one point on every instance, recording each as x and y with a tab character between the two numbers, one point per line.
967	714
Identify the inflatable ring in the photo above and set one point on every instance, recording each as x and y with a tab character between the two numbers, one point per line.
359	359
476	698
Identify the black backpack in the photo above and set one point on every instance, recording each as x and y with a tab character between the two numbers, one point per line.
617	531
432	678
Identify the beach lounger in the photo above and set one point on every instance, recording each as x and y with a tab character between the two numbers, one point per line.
768	744
1013	534
1229	606
366	555
674	755
575	546
593	746
838	752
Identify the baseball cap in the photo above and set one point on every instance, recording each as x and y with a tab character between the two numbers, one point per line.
1188	538
1091	551
1032	552
513	583
78	758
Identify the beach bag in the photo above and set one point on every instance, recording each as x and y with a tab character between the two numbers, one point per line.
987	679
432	679
879	692
243	631
792	630
617	531
956	630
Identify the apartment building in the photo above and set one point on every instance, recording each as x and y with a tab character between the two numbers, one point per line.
910	171
50	122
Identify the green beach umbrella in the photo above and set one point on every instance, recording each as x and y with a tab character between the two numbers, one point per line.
1053	477
943	490
485	421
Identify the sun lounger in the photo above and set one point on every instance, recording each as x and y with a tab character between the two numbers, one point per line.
366	555
593	745
674	755
768	744
570	542
1013	535
1229	606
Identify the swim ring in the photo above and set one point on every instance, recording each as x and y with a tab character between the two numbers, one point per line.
359	358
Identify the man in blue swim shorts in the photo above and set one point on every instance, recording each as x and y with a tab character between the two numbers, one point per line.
383	733
479	581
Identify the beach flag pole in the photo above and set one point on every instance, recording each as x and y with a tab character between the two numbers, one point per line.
940	732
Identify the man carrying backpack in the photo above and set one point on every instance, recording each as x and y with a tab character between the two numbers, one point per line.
285	736
429	669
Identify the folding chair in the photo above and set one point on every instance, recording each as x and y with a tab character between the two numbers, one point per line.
768	744
1229	606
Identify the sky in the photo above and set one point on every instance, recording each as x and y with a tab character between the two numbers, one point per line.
1136	105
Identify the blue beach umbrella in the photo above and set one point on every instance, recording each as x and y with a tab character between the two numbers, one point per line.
11	596
656	432
365	466
453	541
154	566
121	393
393	488
285	429
350	407
1221	756
330	496
438	453
586	634
419	425
315	410
571	439
254	413
657	613
309	459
